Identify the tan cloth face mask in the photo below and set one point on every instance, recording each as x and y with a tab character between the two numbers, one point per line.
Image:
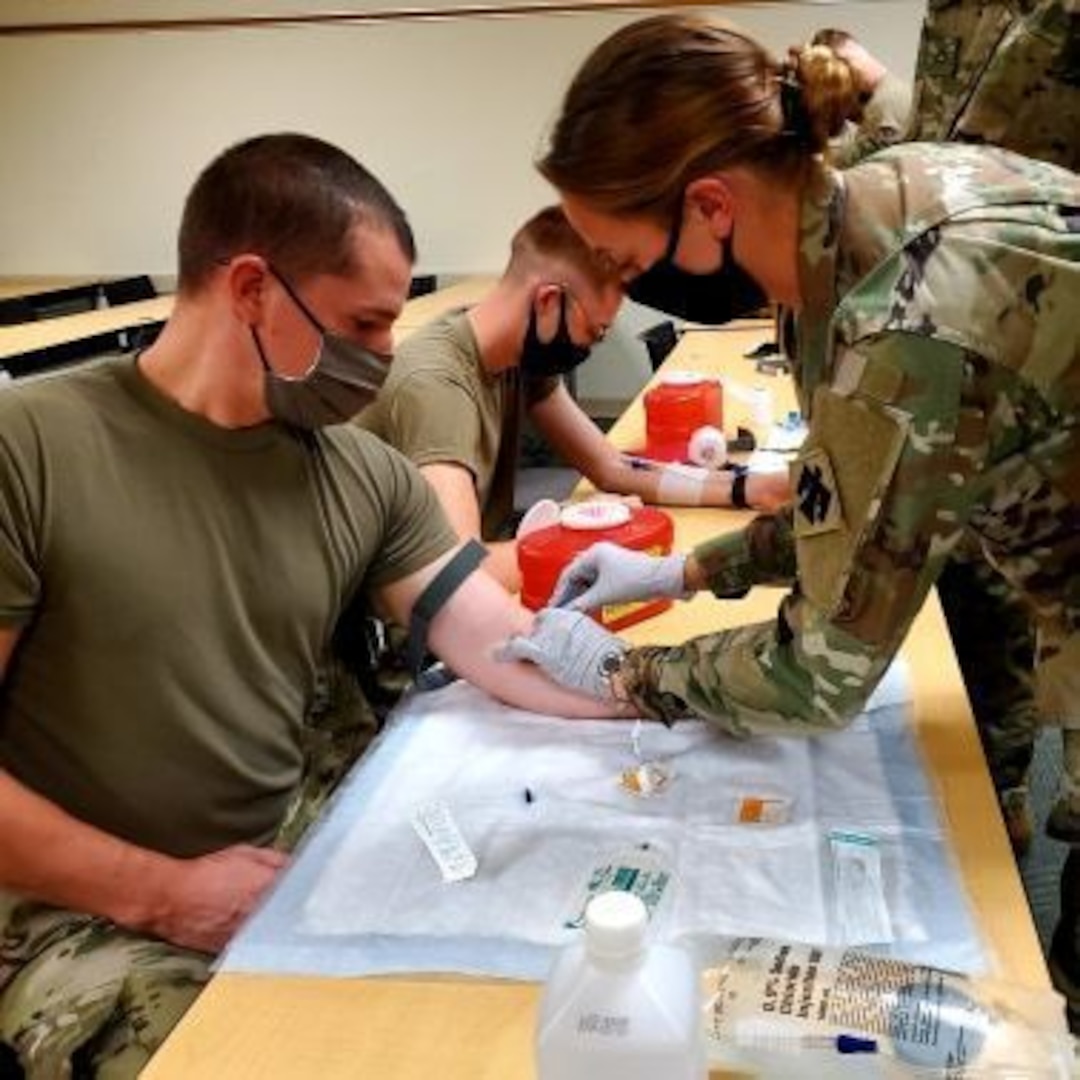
342	379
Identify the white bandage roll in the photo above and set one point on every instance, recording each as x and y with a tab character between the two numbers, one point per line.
681	485
539	516
707	447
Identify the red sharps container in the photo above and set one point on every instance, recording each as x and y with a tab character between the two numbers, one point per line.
675	408
543	554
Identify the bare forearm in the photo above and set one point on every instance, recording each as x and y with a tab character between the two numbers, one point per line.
468	634
47	854
690	486
526	687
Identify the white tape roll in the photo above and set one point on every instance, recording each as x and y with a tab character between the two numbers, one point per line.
708	447
539	516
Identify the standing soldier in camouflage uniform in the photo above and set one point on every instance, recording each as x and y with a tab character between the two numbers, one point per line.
938	363
1005	72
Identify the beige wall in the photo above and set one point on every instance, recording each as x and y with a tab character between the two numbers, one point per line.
102	134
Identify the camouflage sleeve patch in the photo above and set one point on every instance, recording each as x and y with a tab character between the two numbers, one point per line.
839	481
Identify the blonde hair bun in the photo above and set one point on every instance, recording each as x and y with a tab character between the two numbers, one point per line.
829	92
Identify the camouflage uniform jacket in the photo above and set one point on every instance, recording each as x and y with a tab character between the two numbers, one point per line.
1005	72
939	365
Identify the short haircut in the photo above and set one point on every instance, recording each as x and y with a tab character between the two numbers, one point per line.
293	199
547	238
833	39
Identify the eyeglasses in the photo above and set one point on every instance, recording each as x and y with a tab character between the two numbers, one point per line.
225	260
675	236
294	296
596	331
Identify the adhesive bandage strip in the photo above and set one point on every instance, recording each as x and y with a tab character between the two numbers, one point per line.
681	485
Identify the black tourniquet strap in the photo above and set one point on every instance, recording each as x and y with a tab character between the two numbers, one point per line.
431	600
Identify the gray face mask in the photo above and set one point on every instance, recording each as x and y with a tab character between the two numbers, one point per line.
343	378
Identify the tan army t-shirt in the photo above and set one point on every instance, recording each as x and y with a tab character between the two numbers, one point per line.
177	585
439	406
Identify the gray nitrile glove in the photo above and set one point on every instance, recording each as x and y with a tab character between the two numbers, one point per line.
609	574
572	649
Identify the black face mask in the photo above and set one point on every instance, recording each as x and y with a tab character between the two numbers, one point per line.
714	298
555	357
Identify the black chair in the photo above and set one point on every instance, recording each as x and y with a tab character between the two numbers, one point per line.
128	290
58	356
422	285
15	310
659	341
140	337
57	302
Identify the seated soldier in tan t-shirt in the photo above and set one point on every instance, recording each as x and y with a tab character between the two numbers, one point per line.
458	390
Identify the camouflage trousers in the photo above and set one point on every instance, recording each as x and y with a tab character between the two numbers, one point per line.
82	997
995	642
1006	660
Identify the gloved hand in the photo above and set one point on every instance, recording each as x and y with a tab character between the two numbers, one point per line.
572	649
609	574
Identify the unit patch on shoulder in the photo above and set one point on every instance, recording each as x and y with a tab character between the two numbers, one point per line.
815	494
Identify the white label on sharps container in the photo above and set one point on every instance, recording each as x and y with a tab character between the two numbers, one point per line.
435	825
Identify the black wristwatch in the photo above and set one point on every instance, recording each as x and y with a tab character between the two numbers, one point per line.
738	490
610	665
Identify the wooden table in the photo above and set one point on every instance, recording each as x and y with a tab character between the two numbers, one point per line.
35	337
252	1027
423	309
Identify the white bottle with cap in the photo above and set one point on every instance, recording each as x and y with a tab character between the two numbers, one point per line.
618	1008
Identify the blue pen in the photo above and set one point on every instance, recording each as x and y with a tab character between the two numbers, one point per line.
642	464
676	468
